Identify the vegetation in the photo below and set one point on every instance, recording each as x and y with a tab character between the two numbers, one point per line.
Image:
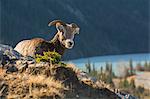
46	78
51	57
132	71
126	70
145	67
29	86
104	75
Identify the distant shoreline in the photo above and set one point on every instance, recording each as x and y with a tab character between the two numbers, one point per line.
100	61
107	56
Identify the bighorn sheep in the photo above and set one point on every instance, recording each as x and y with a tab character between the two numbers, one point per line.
62	40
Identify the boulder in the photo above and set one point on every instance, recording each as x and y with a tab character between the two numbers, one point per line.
9	52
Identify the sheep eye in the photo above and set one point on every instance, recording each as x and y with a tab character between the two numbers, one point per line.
61	29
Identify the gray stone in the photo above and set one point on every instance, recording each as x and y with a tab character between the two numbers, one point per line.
9	52
4	59
126	96
11	69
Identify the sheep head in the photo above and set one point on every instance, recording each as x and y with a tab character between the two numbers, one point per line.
66	32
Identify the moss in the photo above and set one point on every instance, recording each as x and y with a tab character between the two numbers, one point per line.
51	57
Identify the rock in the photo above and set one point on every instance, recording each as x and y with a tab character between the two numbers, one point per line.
79	83
8	56
93	79
11	69
31	62
126	96
9	52
27	58
66	75
4	59
82	75
24	63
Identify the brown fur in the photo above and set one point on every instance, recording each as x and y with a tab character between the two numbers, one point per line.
38	46
59	43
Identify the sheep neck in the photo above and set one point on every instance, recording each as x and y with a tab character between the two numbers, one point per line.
57	46
53	45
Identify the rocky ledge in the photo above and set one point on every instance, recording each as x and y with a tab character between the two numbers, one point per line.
22	77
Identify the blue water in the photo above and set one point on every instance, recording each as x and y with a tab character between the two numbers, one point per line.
114	59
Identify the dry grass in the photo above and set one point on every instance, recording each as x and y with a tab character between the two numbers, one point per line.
45	86
39	81
35	86
73	67
25	85
2	71
97	84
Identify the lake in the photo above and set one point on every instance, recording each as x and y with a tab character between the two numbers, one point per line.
99	61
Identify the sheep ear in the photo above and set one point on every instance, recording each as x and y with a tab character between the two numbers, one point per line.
76	28
76	31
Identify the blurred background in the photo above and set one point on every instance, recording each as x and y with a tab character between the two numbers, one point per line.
114	41
107	27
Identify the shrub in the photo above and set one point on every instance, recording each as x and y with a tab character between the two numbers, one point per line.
132	84
140	89
124	84
51	57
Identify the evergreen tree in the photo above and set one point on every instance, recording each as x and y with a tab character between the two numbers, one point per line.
110	68
101	70
131	67
149	66
132	84
107	67
109	79
125	83
93	71
88	66
139	67
146	66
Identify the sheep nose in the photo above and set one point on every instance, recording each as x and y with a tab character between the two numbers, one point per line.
70	43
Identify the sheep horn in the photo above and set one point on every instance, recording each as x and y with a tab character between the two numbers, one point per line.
55	22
